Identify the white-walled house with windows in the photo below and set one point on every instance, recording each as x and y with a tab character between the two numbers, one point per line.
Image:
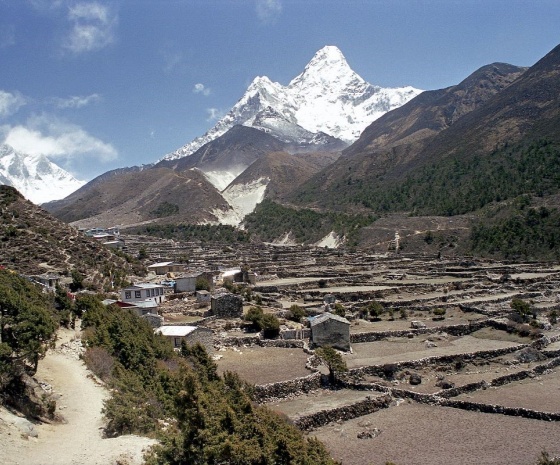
143	292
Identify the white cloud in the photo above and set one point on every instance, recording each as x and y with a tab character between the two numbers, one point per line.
93	28
214	114
201	89
57	139
76	101
10	103
172	59
268	11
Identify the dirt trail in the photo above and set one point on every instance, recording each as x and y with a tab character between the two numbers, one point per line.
79	441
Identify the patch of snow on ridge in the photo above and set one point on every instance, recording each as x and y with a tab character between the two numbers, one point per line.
243	198
229	217
286	239
331	241
220	179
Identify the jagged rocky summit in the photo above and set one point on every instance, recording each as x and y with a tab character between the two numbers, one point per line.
35	176
327	102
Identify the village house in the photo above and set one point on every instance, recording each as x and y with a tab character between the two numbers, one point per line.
48	280
143	292
203	297
141	308
190	334
162	268
330	330
187	282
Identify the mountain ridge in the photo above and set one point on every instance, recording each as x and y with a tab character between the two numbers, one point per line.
343	89
35	176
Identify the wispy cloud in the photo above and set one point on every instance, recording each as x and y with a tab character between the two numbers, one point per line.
10	103
172	58
93	27
47	135
76	101
214	114
268	11
7	35
201	89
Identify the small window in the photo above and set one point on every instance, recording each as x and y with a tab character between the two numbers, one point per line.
177	342
137	295
127	294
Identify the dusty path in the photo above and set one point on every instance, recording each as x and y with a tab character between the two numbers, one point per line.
79	441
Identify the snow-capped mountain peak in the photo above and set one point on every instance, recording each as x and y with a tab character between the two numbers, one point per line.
328	70
327	99
35	176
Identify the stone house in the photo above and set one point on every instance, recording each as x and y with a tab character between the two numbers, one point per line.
226	306
162	268
203	297
330	330
143	292
190	334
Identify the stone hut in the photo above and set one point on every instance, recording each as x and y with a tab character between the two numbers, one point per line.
190	334
203	297
226	306
330	330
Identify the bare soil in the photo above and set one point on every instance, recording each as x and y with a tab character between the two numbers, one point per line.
262	365
417	434
79	441
319	400
541	393
399	349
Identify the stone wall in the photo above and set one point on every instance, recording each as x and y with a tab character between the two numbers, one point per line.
345	413
378	370
454	330
283	389
492	408
203	336
257	340
227	306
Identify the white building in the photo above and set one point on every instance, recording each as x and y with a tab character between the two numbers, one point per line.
143	292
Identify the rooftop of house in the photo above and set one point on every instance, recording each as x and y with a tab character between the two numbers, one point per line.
327	316
160	264
175	331
142	286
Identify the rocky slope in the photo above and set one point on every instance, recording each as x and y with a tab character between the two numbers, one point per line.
34	242
407	137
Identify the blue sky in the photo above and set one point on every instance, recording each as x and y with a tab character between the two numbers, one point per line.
97	85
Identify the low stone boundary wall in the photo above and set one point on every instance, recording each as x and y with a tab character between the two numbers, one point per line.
283	389
492	408
238	341
379	370
257	340
345	413
454	330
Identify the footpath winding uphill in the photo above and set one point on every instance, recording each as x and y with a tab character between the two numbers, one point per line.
79	400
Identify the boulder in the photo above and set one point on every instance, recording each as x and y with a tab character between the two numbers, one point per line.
415	379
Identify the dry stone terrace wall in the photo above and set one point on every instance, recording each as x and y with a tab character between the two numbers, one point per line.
283	389
344	413
454	330
379	370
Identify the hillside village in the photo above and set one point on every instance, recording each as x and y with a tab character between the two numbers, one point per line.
397	302
436	333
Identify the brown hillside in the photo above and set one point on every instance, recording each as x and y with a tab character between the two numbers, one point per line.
34	242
